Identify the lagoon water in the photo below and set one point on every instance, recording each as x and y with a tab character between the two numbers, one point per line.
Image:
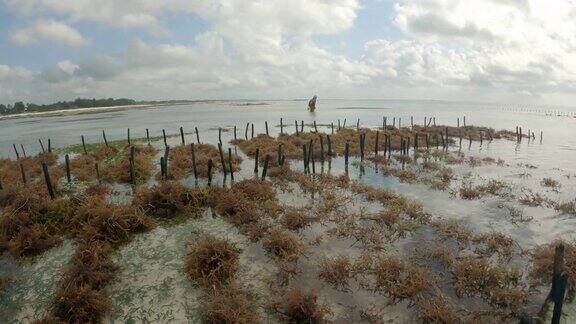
557	124
137	287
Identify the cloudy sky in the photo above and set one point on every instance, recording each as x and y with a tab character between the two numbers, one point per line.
521	51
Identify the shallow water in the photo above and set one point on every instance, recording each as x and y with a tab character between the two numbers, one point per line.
558	148
32	283
152	286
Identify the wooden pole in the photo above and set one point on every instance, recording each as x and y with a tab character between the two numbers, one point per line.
332	127
193	153
329	142
376	144
42	146
310	151
210	163
346	153
558	266
265	169
16	151
304	157
559	298
50	145
246	131
266	125
148	135
132	162
296	126
256	160
321	149
97	167
48	180
182	136
164	136
197	135
166	159
279	154
163	168
128	136
104	137
362	137
252	127
301	126
23	173
315	127
235	138
281	127
222	162
23	151
230	163
84	145
68	175
358	124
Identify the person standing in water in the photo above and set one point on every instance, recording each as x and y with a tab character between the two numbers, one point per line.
312	104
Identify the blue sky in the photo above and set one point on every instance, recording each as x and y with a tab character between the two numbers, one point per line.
510	51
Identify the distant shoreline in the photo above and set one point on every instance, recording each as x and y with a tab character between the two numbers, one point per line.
74	111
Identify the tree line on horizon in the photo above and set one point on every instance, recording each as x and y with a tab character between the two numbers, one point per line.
21	107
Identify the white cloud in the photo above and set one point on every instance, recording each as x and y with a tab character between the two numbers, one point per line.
457	49
48	30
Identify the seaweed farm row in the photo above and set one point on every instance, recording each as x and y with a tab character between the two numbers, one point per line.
319	223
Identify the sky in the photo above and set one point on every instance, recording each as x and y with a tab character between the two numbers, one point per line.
512	51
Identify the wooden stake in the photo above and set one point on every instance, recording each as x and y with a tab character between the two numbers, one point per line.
148	136
281	127
182	136
23	151
346	153
104	137
193	153
329	145
315	127
129	137
97	167
266	125
16	151
256	160
23	173
197	135
376	144
265	169
296	126
304	157
42	146
132	162
222	162
67	161
210	163
164	136
49	145
362	147
48	180
246	131
230	163
84	145
321	149
235	138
